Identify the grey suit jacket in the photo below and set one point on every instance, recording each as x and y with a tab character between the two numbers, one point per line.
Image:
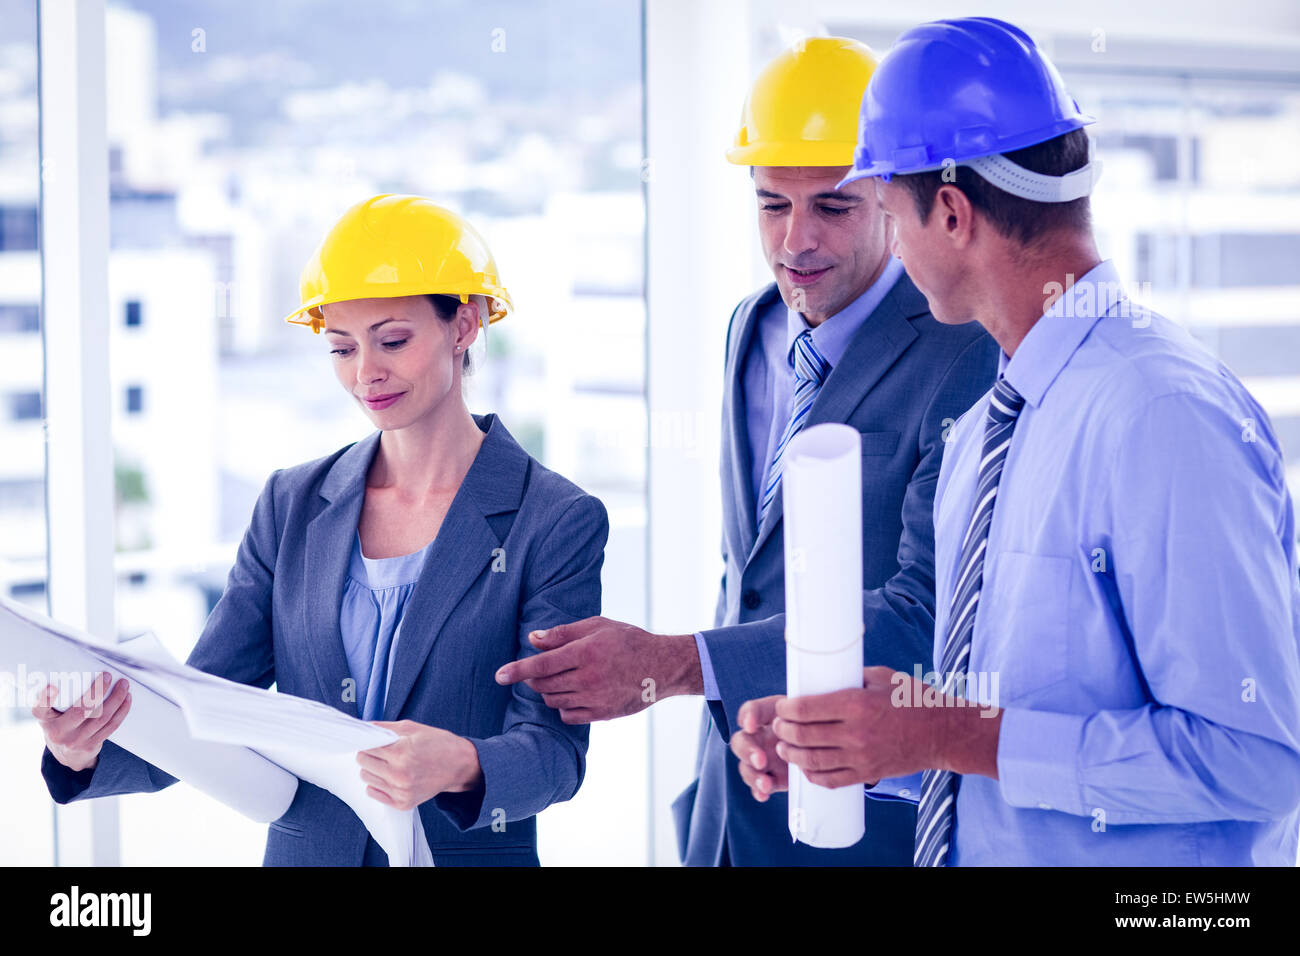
903	380
520	549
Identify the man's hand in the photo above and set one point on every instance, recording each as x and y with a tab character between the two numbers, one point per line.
761	767
76	735
425	762
859	736
598	669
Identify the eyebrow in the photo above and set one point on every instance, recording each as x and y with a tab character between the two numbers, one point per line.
371	329
834	194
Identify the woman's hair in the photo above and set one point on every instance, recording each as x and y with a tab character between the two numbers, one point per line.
445	306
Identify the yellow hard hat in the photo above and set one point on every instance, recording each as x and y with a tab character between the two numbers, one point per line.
803	108
389	246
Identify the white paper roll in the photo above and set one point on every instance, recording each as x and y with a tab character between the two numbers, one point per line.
822	502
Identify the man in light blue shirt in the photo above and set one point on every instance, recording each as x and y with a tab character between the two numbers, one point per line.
1115	547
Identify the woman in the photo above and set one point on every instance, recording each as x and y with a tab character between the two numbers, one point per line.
392	578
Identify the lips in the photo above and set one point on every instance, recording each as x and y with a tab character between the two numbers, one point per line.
805	276
383	401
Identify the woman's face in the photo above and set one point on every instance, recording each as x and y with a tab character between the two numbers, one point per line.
396	358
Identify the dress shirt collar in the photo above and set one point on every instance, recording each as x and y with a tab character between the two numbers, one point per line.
832	337
1055	337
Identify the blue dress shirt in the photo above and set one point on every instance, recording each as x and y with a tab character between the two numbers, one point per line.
374	596
1140	616
768	383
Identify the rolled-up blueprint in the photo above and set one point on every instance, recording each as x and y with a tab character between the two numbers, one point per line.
35	651
822	505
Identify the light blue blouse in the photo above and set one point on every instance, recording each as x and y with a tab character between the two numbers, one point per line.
375	593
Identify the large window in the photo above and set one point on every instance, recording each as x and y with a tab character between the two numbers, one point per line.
26	816
237	133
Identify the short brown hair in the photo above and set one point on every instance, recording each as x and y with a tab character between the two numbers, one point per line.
1022	219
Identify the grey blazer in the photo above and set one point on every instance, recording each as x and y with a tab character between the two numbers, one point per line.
520	548
903	379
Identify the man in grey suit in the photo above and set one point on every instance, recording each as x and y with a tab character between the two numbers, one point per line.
842	335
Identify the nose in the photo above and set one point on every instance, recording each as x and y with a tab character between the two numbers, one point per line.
370	367
800	234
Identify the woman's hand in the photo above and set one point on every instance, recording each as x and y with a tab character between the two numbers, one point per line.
76	735
425	762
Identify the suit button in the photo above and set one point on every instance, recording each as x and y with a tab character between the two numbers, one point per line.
751	599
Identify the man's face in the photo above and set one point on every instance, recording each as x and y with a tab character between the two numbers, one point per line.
825	246
920	248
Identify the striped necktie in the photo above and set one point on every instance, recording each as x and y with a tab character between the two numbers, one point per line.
935	814
810	371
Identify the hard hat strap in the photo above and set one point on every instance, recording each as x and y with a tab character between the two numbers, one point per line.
1039	187
1015	179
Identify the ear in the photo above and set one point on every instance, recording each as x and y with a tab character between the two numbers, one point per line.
467	323
955	214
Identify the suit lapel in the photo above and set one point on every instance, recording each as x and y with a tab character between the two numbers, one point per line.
329	549
462	551
884	336
743	526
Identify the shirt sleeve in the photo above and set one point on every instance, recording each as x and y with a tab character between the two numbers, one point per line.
706	668
1201	534
538	759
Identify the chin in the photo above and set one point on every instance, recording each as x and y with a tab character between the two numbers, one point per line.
785	290
949	318
813	301
937	309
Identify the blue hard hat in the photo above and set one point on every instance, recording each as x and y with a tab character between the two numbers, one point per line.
957	90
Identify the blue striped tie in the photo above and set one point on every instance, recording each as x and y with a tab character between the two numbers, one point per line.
934	816
810	371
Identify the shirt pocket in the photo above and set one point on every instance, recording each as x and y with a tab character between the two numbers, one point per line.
1024	627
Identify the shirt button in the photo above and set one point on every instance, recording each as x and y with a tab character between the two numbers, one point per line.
905	792
751	599
1044	806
